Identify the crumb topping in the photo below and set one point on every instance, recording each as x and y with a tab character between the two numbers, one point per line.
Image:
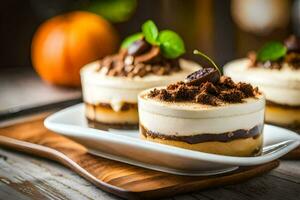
291	59
215	93
139	59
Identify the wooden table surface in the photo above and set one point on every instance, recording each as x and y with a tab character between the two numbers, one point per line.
26	177
23	84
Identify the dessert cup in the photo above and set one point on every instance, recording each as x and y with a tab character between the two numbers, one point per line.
275	69
281	87
112	100
229	128
146	59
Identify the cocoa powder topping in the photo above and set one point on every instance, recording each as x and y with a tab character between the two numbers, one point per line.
224	90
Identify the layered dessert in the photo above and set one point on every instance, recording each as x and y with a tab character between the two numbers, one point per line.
110	86
276	70
206	112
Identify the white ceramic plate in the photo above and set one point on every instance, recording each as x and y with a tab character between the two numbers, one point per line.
126	146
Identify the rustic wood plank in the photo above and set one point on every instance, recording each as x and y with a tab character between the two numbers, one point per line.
281	183
264	187
268	187
288	170
26	177
222	193
191	197
46	176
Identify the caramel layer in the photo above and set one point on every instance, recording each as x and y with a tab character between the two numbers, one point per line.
240	147
104	117
287	117
199	138
126	106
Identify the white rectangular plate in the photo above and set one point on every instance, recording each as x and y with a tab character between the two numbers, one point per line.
126	146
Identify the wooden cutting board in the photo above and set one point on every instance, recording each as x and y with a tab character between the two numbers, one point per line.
121	179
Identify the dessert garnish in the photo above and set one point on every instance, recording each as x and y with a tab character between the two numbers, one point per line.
274	55
149	52
271	51
169	42
202	75
206	86
138	47
211	74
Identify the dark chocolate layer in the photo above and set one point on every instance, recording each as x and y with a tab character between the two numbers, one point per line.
106	126
198	138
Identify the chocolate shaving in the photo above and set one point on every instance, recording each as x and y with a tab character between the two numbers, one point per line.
140	59
218	93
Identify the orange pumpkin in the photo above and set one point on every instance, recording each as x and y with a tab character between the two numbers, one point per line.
63	44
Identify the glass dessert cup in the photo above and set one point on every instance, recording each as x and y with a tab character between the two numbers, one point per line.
281	87
283	115
234	129
110	86
111	101
277	76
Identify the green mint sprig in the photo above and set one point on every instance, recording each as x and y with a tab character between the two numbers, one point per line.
196	52
271	51
150	32
170	43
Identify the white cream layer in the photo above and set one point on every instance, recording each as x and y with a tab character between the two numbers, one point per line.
99	88
185	119
280	86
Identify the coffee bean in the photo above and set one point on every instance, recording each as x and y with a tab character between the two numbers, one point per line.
138	47
203	75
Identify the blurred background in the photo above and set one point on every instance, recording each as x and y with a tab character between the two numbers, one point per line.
225	30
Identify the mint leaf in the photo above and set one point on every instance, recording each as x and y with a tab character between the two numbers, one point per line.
131	39
150	31
271	51
171	44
